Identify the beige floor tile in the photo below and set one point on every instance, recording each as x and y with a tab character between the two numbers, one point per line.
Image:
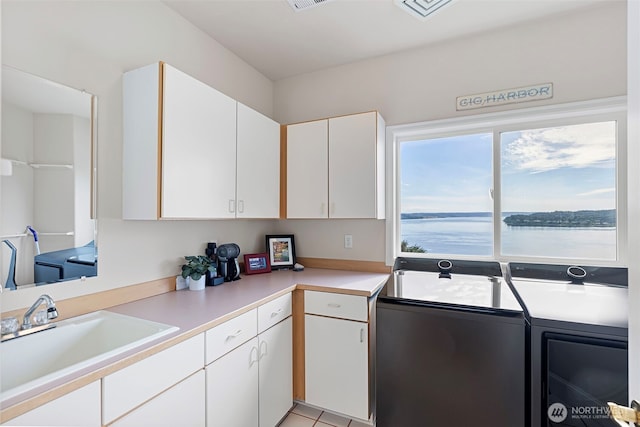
356	423
294	420
334	420
319	424
306	411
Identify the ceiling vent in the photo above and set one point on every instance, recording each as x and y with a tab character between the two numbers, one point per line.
299	5
421	8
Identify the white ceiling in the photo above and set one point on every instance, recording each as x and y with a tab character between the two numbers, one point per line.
279	42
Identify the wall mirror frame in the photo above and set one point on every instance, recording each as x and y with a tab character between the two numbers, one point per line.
48	172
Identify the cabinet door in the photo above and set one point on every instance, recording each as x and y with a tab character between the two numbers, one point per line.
78	408
353	166
181	405
258	162
232	388
276	373
337	365
198	149
307	170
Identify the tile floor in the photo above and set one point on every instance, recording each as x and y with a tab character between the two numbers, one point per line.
304	416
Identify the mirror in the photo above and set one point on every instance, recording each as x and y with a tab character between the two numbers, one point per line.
47	178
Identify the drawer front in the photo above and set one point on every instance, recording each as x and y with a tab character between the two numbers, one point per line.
230	334
129	387
336	305
273	312
78	408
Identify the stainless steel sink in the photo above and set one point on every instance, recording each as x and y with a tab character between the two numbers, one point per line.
30	361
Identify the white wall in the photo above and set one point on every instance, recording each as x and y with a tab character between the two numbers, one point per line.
53	190
88	45
84	225
17	192
633	184
583	54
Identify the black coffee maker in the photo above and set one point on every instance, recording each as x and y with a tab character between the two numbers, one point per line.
228	261
213	278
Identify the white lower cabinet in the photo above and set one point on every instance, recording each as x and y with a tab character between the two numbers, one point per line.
78	408
182	405
337	365
275	395
137	384
252	385
232	388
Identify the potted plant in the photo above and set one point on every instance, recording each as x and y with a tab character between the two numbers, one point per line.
196	269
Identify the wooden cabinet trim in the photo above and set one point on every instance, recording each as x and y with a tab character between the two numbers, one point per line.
159	151
298	345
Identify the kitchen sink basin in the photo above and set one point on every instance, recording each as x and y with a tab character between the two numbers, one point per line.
33	360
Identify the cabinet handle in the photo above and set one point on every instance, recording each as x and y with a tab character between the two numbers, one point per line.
275	313
334	305
262	354
241	206
232	205
251	360
361	334
234	335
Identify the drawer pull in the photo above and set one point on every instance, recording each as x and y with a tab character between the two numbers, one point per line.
236	335
361	334
334	305
275	313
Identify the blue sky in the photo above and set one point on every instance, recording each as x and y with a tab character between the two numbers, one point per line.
561	168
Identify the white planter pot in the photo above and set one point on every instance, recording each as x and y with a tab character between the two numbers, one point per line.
197	285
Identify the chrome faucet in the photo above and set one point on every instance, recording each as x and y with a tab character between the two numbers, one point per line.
52	311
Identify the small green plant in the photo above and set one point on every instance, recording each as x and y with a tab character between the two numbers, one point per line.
197	266
404	247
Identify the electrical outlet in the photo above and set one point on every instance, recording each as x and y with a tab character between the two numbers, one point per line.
348	241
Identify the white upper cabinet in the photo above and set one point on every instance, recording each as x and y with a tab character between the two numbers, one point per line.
335	167
188	147
356	166
258	176
307	170
198	148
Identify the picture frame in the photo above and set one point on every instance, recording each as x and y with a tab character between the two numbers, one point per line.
281	250
257	263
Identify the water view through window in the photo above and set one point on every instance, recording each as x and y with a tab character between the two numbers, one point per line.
558	193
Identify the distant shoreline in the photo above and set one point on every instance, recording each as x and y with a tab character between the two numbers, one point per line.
583	218
432	215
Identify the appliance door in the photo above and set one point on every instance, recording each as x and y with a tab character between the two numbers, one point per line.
442	366
582	374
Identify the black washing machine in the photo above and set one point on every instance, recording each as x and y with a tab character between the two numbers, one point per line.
451	344
579	355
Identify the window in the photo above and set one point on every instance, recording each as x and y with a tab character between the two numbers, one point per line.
533	185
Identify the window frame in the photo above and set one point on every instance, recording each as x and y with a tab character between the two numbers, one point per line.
606	109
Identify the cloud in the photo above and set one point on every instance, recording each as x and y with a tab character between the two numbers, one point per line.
575	146
598	191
